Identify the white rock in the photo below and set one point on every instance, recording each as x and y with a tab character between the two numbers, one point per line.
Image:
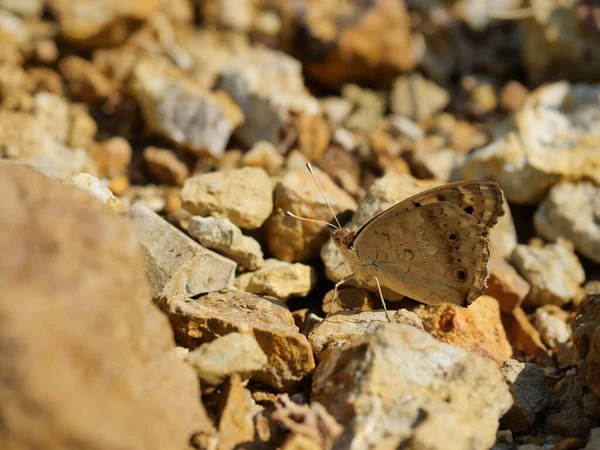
553	135
399	386
279	279
95	187
553	271
224	237
175	263
571	210
233	353
551	323
244	196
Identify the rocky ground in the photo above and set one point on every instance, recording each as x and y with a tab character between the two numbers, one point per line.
154	293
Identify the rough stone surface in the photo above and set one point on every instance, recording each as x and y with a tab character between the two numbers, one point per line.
176	107
223	236
417	98
551	136
593	440
571	210
551	322
349	298
85	349
524	338
289	355
95	187
505	284
111	156
527	384
383	194
268	86
165	167
339	328
369	42
553	271
400	386
263	154
244	196
24	141
291	239
586	338
478	328
234	353
175	263
279	279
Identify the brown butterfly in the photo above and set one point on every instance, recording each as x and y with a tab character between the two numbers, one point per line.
432	247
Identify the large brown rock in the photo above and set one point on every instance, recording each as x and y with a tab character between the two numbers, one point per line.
86	360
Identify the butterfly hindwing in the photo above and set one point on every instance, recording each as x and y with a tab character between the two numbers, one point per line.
433	247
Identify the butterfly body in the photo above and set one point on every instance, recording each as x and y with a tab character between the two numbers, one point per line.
432	247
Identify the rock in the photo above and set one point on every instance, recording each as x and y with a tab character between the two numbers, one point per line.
593	440
383	194
343	167
339	42
89	349
264	155
350	298
480	96
223	236
523	336
95	187
175	263
112	156
29	8
553	271
244	196
178	108
504	234
82	127
290	357
52	114
527	384
240	18
441	165
291	239
368	110
400	386
165	167
341	327
85	82
301	442
311	421
255	80
93	23
236	425
586	338
553	121
234	353
570	210
512	96
24	141
336	109
551	322
280	279
417	98
478	328
505	284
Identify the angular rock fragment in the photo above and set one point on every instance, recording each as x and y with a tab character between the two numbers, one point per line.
268	87
477	329
586	337
400	386
553	271
524	338
234	353
417	98
263	154
339	328
550	137
505	284
175	263
176	107
291	239
195	322
244	196
223	236
85	82
551	322
349	298
165	167
93	356
279	279
527	384
571	210
95	187
111	156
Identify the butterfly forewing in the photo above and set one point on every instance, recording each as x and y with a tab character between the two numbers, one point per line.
433	246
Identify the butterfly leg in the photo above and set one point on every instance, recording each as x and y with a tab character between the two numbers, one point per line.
335	290
382	300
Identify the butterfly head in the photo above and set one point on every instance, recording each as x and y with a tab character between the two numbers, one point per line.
342	237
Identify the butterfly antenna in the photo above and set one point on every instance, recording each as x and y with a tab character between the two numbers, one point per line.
311	220
310	169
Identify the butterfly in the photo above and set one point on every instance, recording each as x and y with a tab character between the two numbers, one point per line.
432	247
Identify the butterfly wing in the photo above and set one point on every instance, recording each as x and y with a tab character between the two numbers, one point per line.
433	247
